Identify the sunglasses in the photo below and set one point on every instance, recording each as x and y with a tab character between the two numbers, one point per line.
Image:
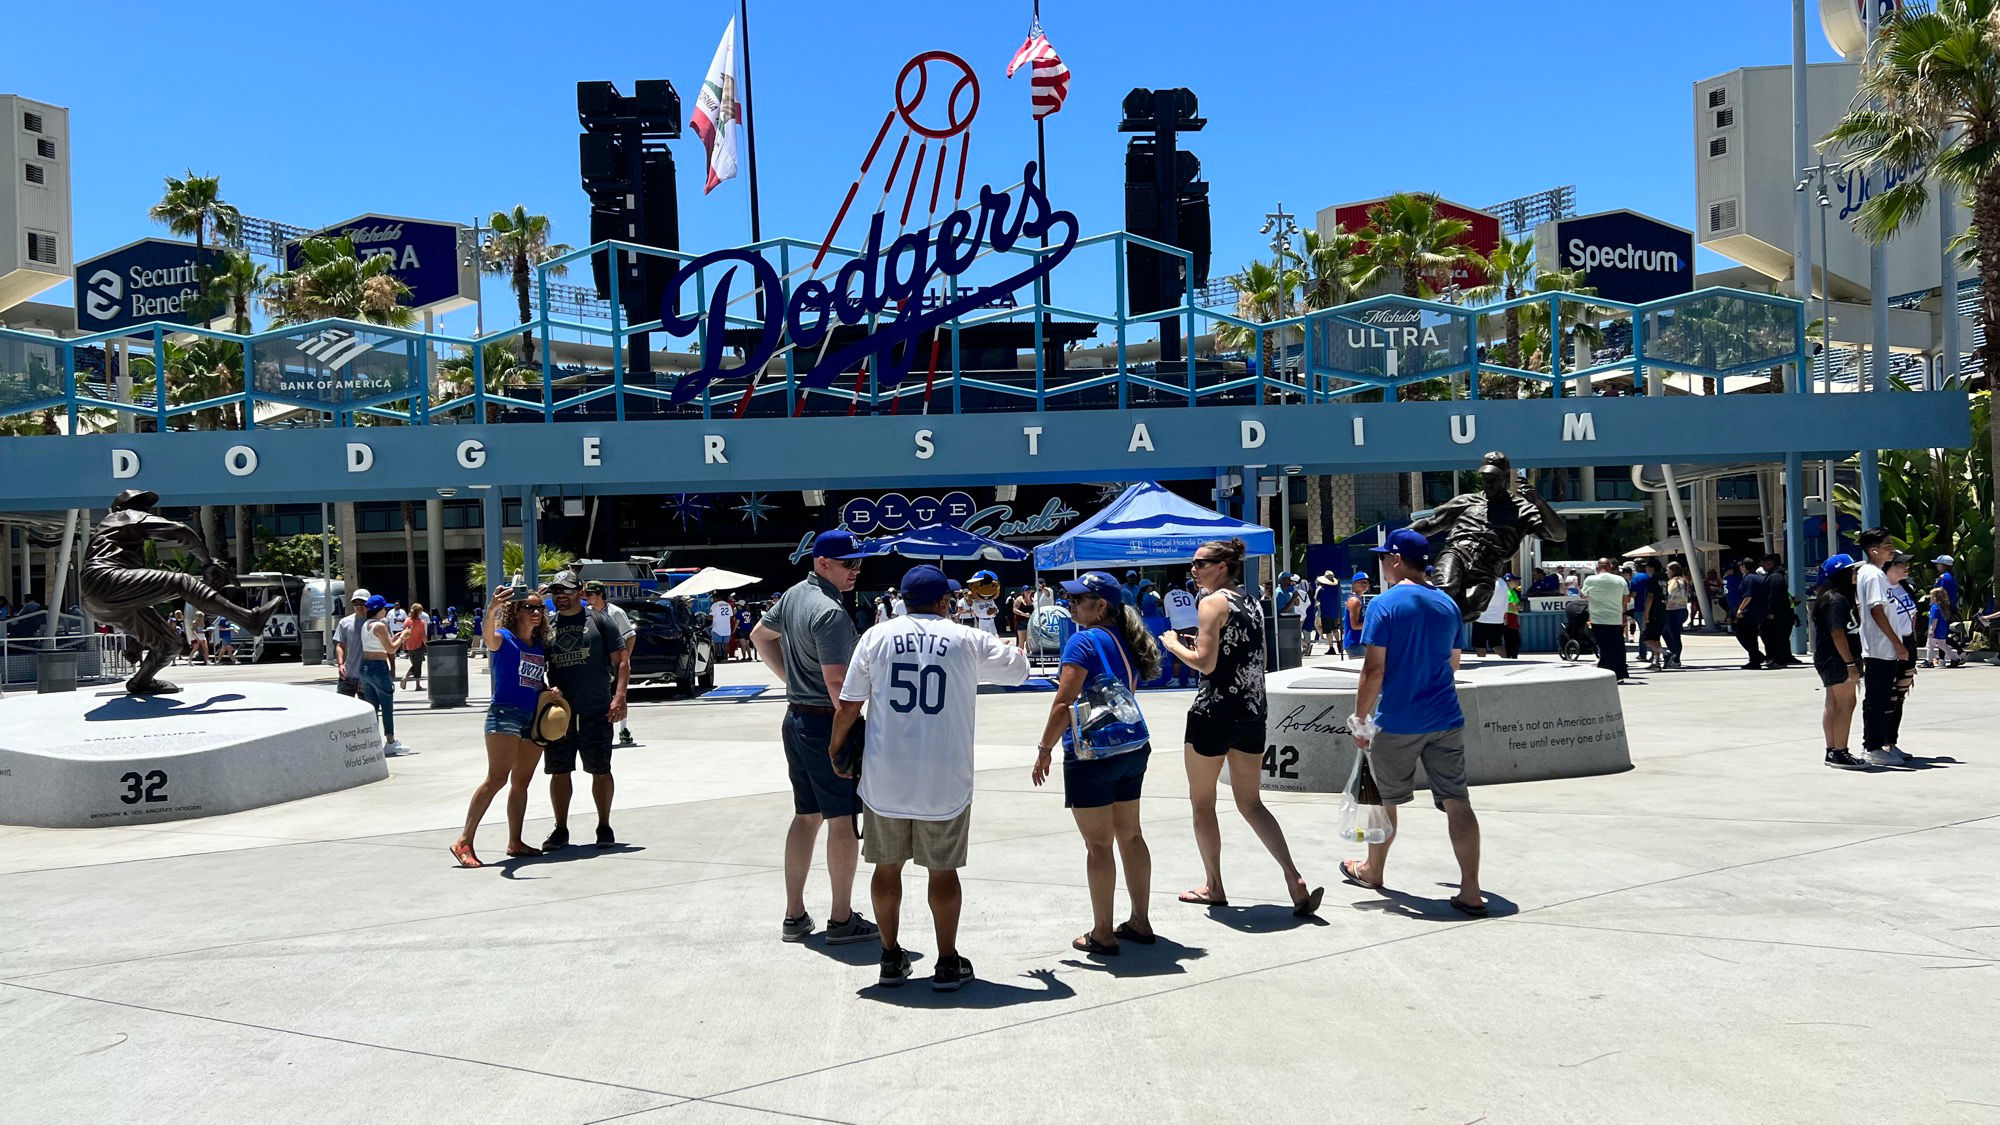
850	564
1200	562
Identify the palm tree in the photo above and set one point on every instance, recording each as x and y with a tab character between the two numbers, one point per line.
332	282
1333	270
1510	271
1406	233
513	558
503	370
1577	321
1261	293
520	242
1931	100
194	205
238	283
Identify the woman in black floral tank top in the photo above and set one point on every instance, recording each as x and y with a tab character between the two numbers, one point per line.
1225	724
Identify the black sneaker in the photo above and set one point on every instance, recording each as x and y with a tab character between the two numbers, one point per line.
1840	759
624	738
557	839
796	929
604	837
854	928
895	968
952	973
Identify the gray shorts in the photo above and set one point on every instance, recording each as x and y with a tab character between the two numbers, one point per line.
1392	758
937	845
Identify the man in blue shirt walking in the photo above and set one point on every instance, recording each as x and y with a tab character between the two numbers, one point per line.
1406	710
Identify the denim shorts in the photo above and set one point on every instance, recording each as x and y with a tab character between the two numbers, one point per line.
502	719
1097	782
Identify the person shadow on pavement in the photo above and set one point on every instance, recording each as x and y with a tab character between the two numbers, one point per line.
1163	958
510	868
1435	909
979	993
1264	918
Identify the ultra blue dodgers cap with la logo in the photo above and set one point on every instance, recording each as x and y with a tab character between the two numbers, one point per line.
839	543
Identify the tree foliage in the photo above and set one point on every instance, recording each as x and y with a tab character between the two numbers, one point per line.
298	554
549	560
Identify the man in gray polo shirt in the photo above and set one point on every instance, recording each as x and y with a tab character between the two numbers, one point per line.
347	644
806	640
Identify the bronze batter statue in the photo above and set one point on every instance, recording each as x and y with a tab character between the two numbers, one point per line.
120	589
1482	531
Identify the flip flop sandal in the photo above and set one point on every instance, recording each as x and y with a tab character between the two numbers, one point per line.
1090	945
1347	873
1467	908
1202	898
1309	905
463	853
1125	932
525	852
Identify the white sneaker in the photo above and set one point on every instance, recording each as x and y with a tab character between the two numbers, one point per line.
394	750
1901	754
1889	757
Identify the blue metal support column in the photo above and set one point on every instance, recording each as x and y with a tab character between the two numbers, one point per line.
491	510
1871	488
531	547
1795	541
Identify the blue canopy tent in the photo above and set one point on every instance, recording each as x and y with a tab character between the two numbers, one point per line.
947	542
1147	525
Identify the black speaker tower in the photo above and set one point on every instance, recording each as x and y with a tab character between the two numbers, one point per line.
1166	200
628	173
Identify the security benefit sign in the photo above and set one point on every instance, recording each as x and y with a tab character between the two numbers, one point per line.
1623	255
339	366
141	282
425	256
1390	340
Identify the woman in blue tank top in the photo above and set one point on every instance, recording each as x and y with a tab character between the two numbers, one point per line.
514	633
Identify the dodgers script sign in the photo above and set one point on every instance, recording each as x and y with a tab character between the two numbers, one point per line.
887	285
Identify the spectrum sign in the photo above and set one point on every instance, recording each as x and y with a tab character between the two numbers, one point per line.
1623	255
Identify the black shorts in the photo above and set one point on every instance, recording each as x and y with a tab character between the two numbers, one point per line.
1098	782
1213	737
415	657
815	787
1487	634
590	737
1831	672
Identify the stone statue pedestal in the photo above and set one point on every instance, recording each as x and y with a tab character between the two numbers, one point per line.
1524	721
93	759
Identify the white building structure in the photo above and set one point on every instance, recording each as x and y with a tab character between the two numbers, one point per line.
35	228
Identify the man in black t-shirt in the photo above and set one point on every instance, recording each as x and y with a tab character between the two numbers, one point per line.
587	662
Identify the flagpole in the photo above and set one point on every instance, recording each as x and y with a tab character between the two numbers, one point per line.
1041	163
749	119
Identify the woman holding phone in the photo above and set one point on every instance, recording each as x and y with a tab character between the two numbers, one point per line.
1225	724
1102	776
515	628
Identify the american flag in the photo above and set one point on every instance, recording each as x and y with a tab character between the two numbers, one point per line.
1048	77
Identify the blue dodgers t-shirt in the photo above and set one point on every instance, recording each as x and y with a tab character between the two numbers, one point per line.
1099	653
1417	627
520	672
1642	588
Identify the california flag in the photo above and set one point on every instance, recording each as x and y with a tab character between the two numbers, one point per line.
716	112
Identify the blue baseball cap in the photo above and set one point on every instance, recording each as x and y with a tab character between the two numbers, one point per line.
922	585
840	543
1407	544
985	575
377	602
1835	565
1095	584
1360	576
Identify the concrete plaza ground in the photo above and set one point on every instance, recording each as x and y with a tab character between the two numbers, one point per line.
1728	932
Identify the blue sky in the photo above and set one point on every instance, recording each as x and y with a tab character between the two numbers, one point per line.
312	112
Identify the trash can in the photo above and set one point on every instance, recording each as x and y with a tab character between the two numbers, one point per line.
55	671
312	647
448	675
1290	639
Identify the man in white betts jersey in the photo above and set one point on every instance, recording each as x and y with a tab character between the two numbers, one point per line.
919	675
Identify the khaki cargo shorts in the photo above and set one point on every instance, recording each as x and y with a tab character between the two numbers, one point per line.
936	845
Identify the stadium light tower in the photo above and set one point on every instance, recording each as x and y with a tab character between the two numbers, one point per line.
628	172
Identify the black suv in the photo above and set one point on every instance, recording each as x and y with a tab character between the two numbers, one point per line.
673	645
